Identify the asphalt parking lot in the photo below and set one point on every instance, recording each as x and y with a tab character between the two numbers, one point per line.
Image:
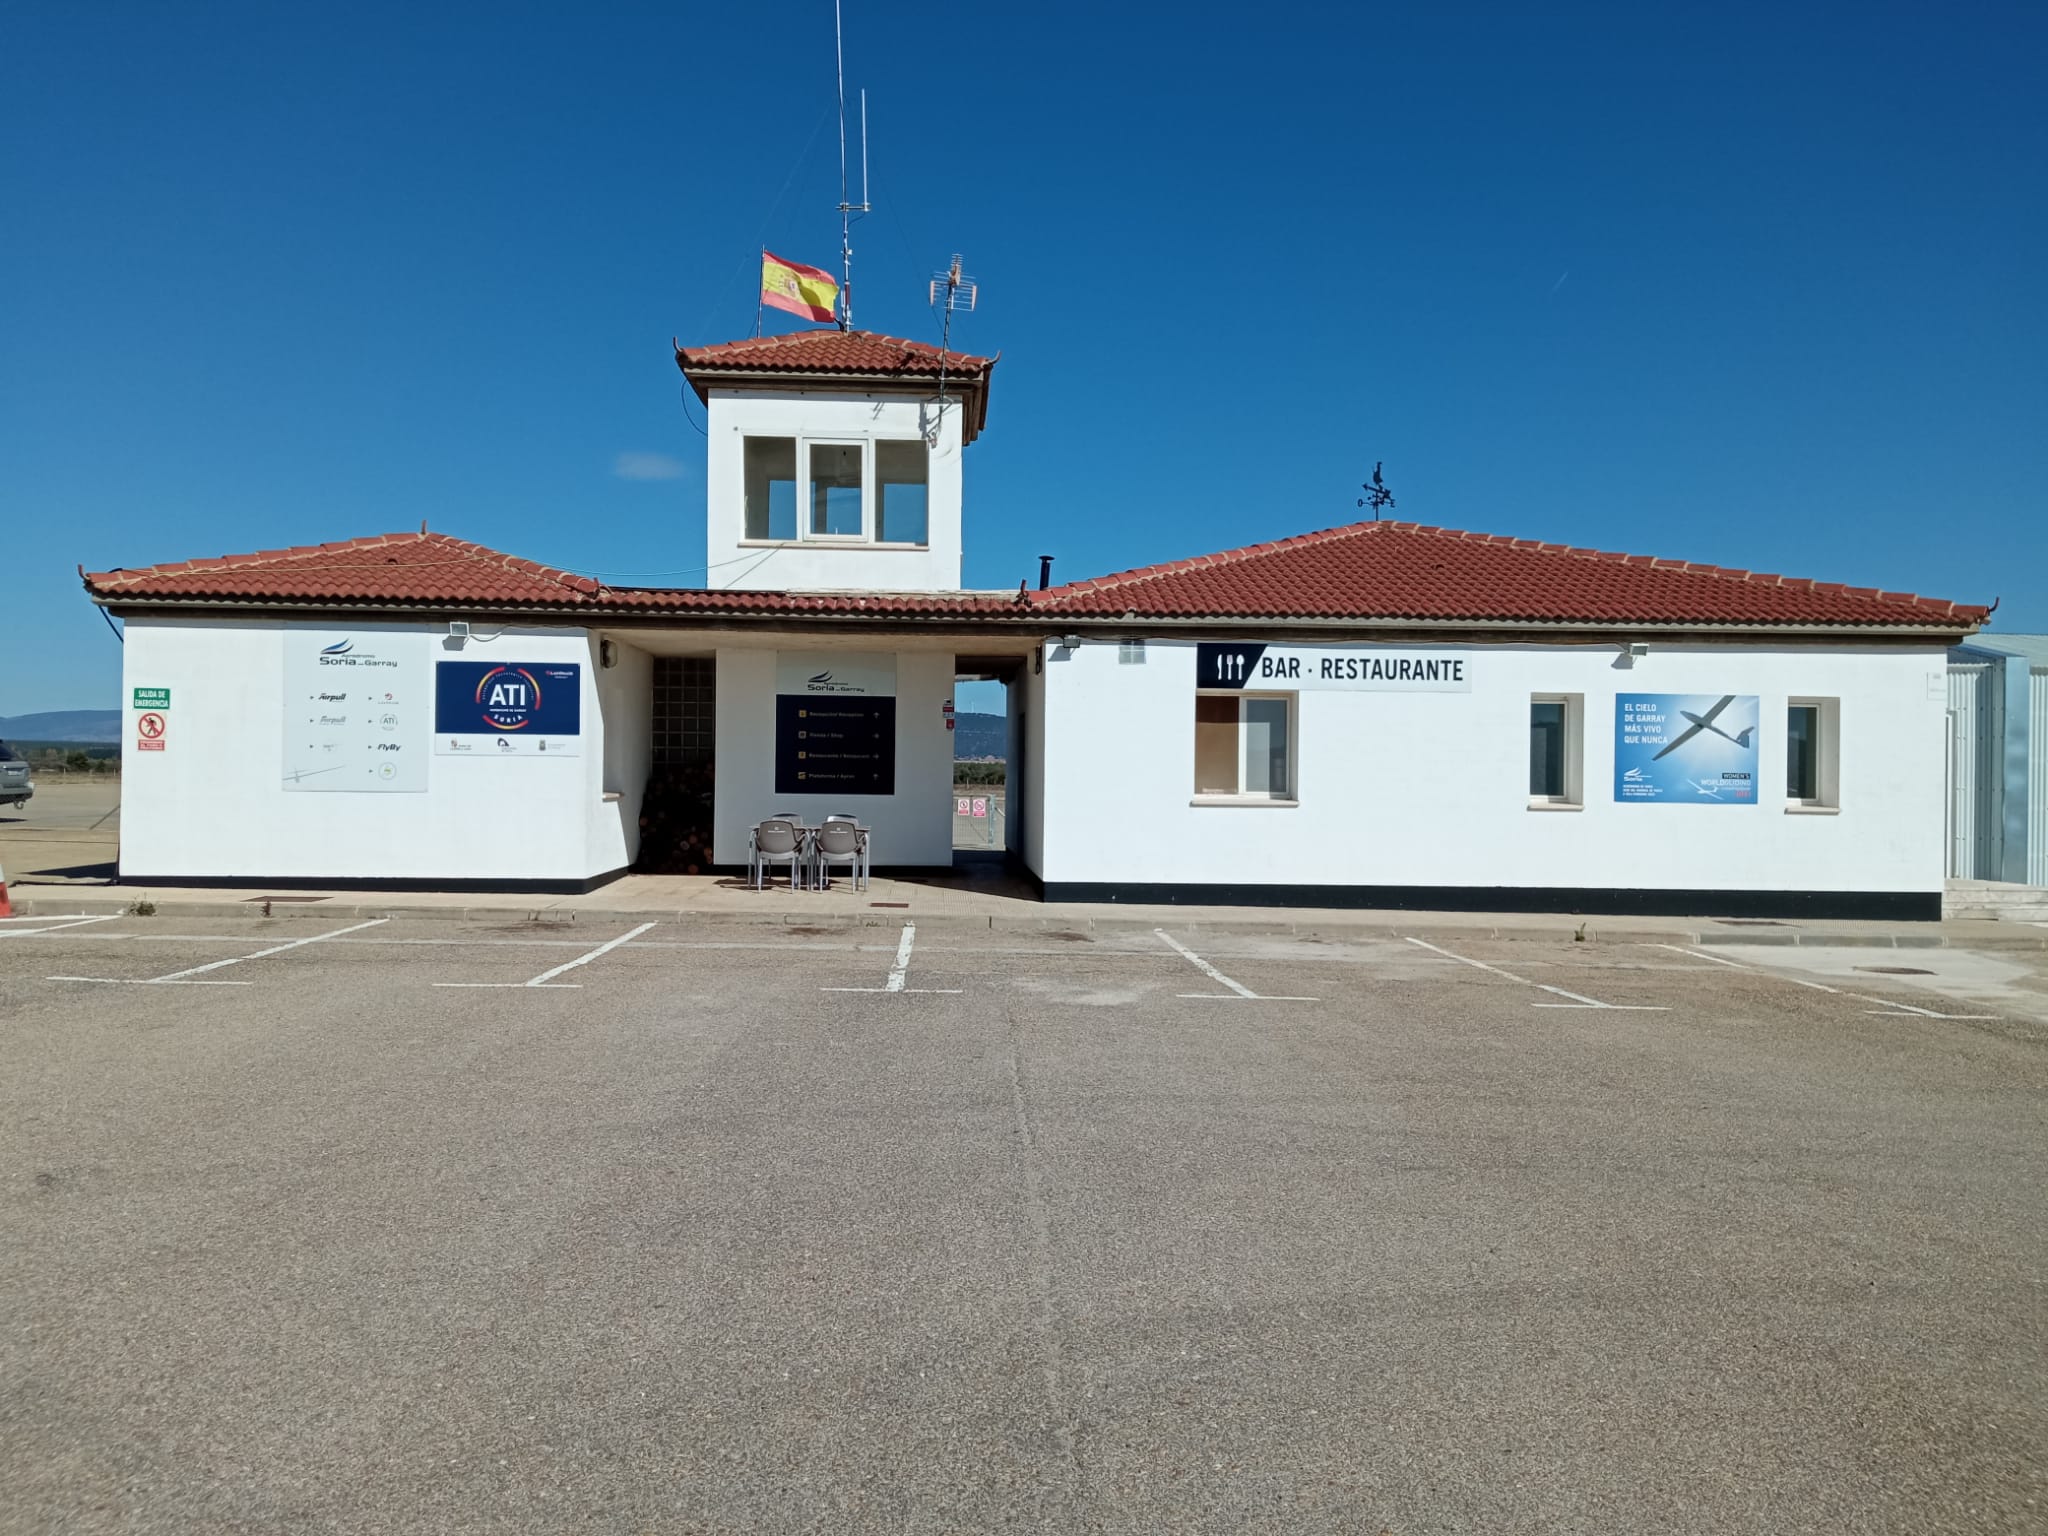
346	1225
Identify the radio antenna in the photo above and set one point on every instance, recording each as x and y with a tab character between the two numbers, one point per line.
847	208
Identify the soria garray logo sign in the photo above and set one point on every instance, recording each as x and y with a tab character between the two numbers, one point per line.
508	697
821	682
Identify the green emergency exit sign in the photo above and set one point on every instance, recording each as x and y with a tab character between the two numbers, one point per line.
152	698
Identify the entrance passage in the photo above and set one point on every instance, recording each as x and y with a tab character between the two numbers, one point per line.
987	752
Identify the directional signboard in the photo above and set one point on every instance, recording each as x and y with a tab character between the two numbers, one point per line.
835	723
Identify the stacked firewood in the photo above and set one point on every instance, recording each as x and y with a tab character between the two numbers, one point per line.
675	820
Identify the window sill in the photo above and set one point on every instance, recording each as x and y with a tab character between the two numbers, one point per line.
827	541
1245	800
1796	808
1556	805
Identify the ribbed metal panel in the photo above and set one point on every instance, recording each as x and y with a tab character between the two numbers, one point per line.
1972	755
2037	780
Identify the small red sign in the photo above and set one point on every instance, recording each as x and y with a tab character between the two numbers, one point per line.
150	726
146	745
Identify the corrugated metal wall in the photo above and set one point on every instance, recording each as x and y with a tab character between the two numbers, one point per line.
1975	763
2037	781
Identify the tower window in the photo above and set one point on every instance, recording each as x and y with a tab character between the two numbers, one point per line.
902	476
771	487
835	491
872	490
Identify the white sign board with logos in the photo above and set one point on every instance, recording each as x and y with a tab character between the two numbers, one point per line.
821	674
1345	668
358	705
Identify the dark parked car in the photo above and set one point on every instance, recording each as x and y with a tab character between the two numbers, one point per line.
15	785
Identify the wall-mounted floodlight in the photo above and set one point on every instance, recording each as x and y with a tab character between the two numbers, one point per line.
1071	642
457	630
1629	650
607	653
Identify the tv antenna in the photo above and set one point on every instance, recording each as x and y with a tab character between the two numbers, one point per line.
847	208
957	294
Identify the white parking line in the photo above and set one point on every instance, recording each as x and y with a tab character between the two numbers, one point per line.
547	978
1577	1000
63	924
1736	965
1237	989
1886	1005
177	978
900	972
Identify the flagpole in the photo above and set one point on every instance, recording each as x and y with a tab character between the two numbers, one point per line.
845	208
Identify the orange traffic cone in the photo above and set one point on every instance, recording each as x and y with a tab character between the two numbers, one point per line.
6	906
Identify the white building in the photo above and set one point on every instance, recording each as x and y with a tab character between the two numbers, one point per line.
1376	715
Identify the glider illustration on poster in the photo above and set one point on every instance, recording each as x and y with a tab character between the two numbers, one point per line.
1685	748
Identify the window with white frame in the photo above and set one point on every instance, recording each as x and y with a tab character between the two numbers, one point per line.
871	490
835	477
1555	755
1812	758
1244	747
902	491
770	470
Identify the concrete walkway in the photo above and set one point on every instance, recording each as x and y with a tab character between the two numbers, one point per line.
996	903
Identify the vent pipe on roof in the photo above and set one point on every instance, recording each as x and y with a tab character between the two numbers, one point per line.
1044	572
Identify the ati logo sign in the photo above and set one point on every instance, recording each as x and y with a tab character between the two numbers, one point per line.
508	697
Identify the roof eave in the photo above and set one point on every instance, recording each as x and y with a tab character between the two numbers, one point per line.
1009	614
973	385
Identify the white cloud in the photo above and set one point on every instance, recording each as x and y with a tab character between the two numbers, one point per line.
647	466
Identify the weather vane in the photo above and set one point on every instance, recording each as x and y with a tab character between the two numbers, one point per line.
1376	493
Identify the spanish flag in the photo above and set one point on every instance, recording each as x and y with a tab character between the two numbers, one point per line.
802	290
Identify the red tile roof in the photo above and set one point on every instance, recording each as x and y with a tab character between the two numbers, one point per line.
393	567
432	570
849	355
831	352
1406	571
1365	573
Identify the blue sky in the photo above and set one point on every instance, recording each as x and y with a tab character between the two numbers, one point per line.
1758	285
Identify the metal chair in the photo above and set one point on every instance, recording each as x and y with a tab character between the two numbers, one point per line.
776	842
838	842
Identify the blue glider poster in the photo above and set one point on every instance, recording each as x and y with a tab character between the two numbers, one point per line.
1685	748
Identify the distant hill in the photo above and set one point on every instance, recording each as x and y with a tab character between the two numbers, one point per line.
80	725
977	735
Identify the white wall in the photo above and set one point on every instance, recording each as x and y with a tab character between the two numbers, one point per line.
1030	687
756	566
212	805
625	700
1432	788
914	826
